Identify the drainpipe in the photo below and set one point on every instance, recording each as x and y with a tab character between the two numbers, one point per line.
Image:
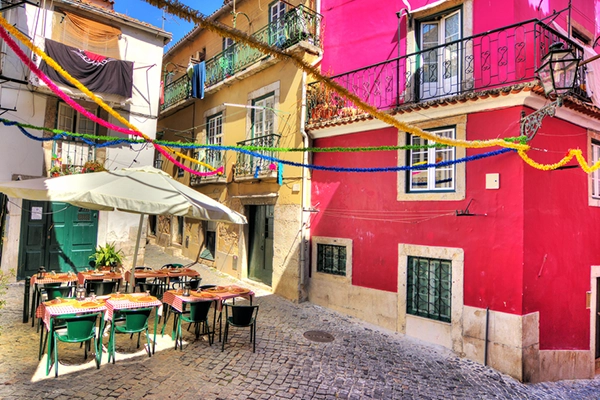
305	194
487	326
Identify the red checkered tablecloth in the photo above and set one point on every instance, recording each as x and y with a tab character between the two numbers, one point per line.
128	303
93	276
49	278
176	300
46	312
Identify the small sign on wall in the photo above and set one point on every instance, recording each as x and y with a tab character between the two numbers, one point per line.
36	213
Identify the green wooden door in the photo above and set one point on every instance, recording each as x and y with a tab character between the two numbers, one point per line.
260	267
58	236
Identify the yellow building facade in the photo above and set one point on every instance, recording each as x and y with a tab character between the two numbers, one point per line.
249	99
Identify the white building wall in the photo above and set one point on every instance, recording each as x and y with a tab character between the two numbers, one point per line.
23	156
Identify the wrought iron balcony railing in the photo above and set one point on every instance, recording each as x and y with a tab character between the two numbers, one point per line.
71	156
214	158
493	59
247	165
298	24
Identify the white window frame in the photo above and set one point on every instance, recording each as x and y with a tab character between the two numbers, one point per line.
429	156
594	177
263	116
214	136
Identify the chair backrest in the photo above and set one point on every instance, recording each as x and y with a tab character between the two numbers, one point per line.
101	288
199	310
204	287
194	283
142	268
62	291
52	285
242	315
155	289
135	319
79	327
169	266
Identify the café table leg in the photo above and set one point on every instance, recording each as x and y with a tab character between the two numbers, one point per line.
33	303
99	341
49	351
155	327
166	315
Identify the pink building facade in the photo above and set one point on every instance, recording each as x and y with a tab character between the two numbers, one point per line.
489	257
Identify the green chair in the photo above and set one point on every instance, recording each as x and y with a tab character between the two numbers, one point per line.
53	292
101	288
134	321
155	289
241	317
77	329
197	315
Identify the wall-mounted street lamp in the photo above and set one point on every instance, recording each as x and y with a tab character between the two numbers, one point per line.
558	74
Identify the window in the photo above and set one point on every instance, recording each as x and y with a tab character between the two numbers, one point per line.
595	176
214	136
429	286
263	116
440	64
73	152
277	23
433	178
331	259
227	62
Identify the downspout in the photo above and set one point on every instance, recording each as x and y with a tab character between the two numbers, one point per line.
305	195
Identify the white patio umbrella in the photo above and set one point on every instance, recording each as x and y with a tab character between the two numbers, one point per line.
144	190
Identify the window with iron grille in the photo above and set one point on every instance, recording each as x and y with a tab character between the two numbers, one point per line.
429	288
431	179
595	176
331	259
214	136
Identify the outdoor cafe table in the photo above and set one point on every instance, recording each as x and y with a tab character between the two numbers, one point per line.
164	274
47	311
175	299
34	282
82	277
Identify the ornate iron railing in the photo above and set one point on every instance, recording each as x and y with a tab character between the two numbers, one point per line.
493	59
178	90
214	158
250	165
298	24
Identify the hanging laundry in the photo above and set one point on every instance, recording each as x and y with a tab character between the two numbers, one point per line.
96	72
198	80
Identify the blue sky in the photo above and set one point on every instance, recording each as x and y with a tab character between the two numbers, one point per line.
145	12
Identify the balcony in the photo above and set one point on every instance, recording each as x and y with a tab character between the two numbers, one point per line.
215	158
70	157
491	60
299	25
250	167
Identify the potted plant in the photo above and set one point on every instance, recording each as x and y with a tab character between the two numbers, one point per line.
108	256
55	171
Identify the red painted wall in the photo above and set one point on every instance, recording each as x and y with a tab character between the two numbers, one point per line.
561	242
532	214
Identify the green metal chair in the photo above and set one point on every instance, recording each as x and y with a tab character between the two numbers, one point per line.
77	329
241	317
135	321
197	315
101	288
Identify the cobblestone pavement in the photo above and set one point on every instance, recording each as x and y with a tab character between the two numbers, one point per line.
363	362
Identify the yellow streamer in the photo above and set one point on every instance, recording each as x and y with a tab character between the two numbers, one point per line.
565	160
23	39
187	13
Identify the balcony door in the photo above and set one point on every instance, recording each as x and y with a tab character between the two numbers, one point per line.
277	24
440	63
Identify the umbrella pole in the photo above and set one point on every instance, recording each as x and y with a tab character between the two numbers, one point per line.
135	253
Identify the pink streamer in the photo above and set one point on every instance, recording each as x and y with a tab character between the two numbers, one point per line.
29	63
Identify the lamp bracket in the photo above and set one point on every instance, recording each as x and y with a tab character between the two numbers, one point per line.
532	122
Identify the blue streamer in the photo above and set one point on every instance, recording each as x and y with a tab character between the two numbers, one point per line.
280	174
278	160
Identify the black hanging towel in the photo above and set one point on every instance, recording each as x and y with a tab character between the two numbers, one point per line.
98	73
